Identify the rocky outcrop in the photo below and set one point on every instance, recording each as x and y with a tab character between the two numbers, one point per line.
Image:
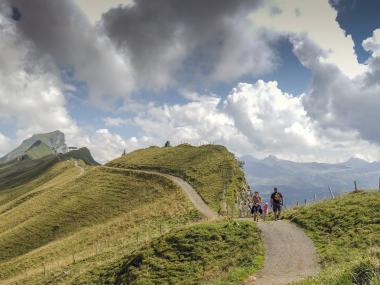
55	140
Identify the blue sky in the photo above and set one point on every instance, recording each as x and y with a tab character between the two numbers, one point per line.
262	78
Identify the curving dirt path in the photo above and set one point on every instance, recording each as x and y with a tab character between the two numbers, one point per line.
289	255
190	192
81	169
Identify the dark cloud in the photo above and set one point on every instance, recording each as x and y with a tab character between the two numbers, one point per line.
168	39
60	30
336	101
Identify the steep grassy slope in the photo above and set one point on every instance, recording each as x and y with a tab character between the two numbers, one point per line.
346	232
19	172
39	150
55	140
210	169
83	154
72	228
216	253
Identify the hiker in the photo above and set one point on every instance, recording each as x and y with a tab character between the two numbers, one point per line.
265	211
256	206
276	200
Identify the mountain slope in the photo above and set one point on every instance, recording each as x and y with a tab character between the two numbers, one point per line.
39	150
83	154
55	140
18	172
210	169
346	233
84	223
200	254
299	181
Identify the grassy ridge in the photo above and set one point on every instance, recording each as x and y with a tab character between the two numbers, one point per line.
16	172
210	169
85	224
346	231
201	254
19	172
39	150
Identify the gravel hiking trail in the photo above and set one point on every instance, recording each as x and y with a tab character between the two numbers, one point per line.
81	169
190	192
289	255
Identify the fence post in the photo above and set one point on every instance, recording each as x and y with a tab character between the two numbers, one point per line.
331	193
379	183
356	188
298	203
305	201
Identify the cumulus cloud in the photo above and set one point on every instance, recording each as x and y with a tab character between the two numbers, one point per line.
59	29
258	119
115	121
303	18
105	145
271	119
172	41
372	44
30	92
5	144
336	101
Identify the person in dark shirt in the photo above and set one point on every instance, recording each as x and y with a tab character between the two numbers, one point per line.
276	200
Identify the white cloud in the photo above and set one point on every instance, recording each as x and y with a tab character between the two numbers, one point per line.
5	144
270	118
303	18
30	91
372	44
106	146
95	8
257	119
115	122
61	31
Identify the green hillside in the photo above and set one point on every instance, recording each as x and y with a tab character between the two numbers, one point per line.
20	171
346	231
83	154
83	224
200	254
210	169
39	150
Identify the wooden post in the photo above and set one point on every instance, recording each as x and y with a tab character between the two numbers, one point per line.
379	183
331	193
305	201
356	187
298	203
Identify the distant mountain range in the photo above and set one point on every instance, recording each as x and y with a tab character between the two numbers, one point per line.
300	181
38	146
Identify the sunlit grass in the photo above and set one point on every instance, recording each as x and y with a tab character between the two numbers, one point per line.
77	224
346	231
210	169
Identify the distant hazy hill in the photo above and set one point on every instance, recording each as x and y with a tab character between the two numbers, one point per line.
54	140
299	181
